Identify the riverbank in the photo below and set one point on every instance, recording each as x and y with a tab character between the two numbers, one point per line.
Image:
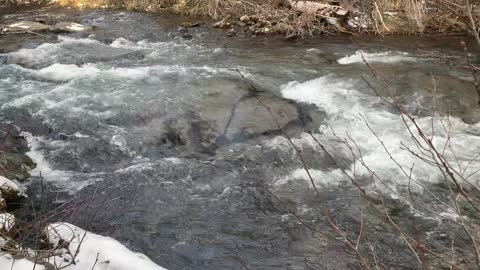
44	241
301	19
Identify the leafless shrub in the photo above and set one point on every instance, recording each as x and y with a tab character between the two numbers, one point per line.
461	197
28	237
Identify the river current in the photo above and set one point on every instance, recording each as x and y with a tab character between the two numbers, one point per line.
188	168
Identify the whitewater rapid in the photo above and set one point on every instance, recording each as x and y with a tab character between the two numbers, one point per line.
79	98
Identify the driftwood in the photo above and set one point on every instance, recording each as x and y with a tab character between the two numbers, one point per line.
314	8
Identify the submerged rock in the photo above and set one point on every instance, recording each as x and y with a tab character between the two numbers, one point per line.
187	36
250	118
245	19
3	60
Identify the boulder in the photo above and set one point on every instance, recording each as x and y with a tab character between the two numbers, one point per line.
190	25
223	24
228	112
250	119
241	24
14	163
10	190
264	23
245	19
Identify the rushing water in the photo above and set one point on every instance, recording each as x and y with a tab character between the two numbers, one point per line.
163	131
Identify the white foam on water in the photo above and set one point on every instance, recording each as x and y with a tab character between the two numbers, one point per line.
173	160
347	108
46	52
120	143
42	165
379	57
49	174
140	167
60	72
171	50
66	72
324	179
156	46
80	135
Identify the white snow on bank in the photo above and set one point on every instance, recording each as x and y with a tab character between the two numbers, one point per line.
380	57
111	254
7	262
92	251
6	183
7	221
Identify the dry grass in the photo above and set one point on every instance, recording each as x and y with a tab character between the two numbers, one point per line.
414	16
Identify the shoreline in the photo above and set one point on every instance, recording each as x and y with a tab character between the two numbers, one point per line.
172	23
235	26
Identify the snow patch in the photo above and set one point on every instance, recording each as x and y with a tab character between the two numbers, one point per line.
108	253
7	262
11	185
7	221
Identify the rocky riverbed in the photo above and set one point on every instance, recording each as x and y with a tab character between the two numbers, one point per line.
155	139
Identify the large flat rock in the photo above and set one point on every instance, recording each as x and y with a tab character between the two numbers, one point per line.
251	117
27	26
31	26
